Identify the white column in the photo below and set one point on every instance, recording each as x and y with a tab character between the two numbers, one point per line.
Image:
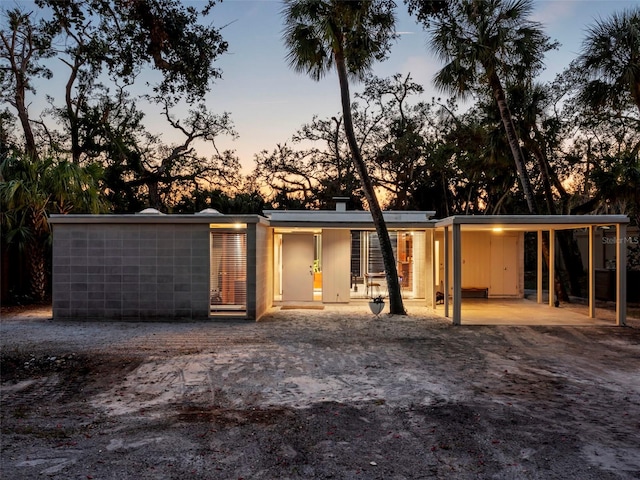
446	271
539	276
621	274
592	275
421	266
457	276
552	266
431	273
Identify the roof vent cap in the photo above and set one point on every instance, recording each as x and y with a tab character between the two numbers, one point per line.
209	211
150	211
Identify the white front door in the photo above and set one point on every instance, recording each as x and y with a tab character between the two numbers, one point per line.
297	267
504	265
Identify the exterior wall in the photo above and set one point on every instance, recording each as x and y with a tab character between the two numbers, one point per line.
130	271
336	265
480	261
263	255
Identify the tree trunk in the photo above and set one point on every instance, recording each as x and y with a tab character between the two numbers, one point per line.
568	249
37	271
396	306
154	194
635	93
516	150
514	141
72	113
23	115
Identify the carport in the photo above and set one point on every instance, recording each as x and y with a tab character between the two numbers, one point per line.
453	227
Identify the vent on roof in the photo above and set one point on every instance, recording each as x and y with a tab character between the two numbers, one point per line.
341	203
209	211
150	211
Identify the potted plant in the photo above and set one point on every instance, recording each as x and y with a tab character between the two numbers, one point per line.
376	304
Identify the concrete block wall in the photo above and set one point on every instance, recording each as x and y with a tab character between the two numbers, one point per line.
131	271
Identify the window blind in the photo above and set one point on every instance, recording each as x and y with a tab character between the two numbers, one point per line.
228	270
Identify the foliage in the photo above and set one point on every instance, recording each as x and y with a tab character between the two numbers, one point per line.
32	190
424	10
485	43
377	299
96	116
143	171
610	62
479	38
600	145
240	203
124	37
361	30
318	169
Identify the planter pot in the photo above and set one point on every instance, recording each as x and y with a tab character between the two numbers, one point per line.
376	307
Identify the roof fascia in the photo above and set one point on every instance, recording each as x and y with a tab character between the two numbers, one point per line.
155	219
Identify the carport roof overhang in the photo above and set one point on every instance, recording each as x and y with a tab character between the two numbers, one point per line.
531	223
539	223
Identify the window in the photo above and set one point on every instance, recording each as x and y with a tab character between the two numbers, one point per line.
228	286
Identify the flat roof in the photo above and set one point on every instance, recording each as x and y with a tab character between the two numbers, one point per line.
355	219
348	219
531	222
145	218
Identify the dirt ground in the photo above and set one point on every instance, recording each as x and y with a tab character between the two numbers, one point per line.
309	394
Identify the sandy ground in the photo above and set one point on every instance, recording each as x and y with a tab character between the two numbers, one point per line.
315	394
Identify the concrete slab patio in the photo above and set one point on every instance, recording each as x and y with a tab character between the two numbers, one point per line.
521	311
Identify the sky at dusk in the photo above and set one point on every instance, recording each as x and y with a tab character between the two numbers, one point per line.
269	102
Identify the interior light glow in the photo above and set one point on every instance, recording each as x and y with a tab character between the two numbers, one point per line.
497	229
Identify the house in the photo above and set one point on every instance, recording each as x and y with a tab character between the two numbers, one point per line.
150	266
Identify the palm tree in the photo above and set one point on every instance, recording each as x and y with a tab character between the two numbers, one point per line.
611	60
484	42
350	36
29	192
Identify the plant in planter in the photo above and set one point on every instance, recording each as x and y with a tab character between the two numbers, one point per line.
376	304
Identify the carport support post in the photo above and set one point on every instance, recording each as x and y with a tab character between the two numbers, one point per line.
457	275
592	276
446	271
435	263
552	266
621	269
539	276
